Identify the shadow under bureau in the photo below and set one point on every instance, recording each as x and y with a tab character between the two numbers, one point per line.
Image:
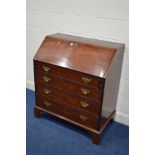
77	80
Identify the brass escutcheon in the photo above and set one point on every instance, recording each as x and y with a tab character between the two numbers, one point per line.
46	69
46	79
48	104
86	80
83	118
85	91
47	91
84	104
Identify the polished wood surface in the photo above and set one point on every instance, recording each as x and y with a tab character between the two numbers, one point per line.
58	95
67	111
70	74
87	58
65	85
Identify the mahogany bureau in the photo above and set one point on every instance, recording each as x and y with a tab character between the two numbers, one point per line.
77	80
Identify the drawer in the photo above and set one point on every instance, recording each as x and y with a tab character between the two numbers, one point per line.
68	112
63	97
75	76
66	85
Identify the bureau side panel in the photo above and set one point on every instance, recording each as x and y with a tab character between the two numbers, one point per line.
112	82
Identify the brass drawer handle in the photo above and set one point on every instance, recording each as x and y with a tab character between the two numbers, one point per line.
85	91
47	91
46	69
83	118
84	104
46	79
48	104
86	80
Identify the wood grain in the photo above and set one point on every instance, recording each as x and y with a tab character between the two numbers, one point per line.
87	58
70	75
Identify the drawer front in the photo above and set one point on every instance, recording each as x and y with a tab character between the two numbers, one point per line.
62	97
69	74
66	85
68	112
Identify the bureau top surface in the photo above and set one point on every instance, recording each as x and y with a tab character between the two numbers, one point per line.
80	54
